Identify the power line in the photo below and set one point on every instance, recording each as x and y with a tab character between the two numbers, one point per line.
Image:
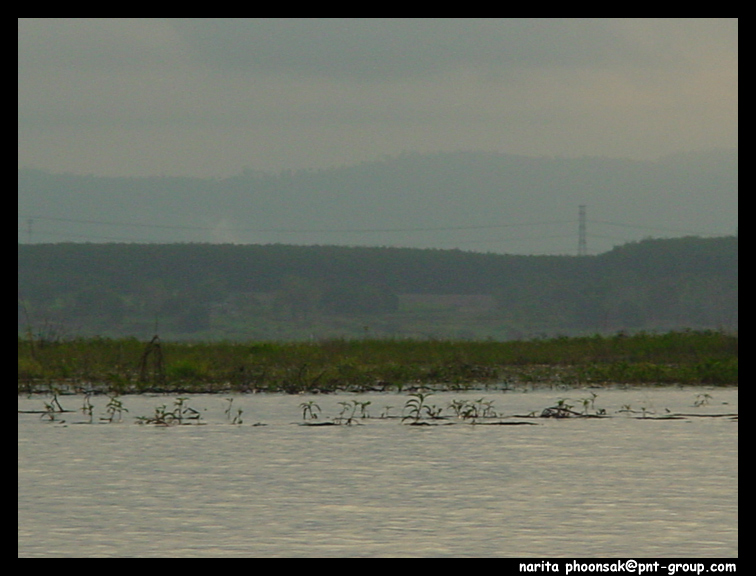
83	236
516	239
297	230
657	228
605	237
29	218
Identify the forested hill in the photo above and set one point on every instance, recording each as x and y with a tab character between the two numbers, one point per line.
283	291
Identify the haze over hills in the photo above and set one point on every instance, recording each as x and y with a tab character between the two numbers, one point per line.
474	201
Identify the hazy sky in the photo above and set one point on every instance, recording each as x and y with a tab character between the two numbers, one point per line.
210	97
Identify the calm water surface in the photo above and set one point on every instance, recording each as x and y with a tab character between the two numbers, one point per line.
619	486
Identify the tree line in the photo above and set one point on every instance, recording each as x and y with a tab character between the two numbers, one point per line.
283	291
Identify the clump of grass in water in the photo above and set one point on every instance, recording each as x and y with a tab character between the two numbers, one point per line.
363	408
434	412
52	408
49	412
560	410
87	408
589	402
184	411
702	400
564	410
472	411
485	408
309	410
236	419
457	406
161	417
113	408
164	417
347	414
415	407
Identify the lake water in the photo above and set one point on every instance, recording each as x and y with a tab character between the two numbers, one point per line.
618	486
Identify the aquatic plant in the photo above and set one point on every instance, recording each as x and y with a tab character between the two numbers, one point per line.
113	408
473	410
560	410
52	408
161	417
347	415
589	402
385	413
457	406
702	400
487	409
237	418
363	408
49	412
434	412
183	410
227	411
87	408
469	412
165	417
309	410
415	407
54	404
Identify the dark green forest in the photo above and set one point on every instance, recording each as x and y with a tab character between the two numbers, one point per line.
285	292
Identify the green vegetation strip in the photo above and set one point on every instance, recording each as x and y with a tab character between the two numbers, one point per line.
119	366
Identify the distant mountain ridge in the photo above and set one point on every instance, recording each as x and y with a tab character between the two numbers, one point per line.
469	200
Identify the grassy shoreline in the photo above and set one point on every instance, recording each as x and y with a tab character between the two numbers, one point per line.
123	366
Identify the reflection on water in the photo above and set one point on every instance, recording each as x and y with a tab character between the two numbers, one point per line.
619	486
